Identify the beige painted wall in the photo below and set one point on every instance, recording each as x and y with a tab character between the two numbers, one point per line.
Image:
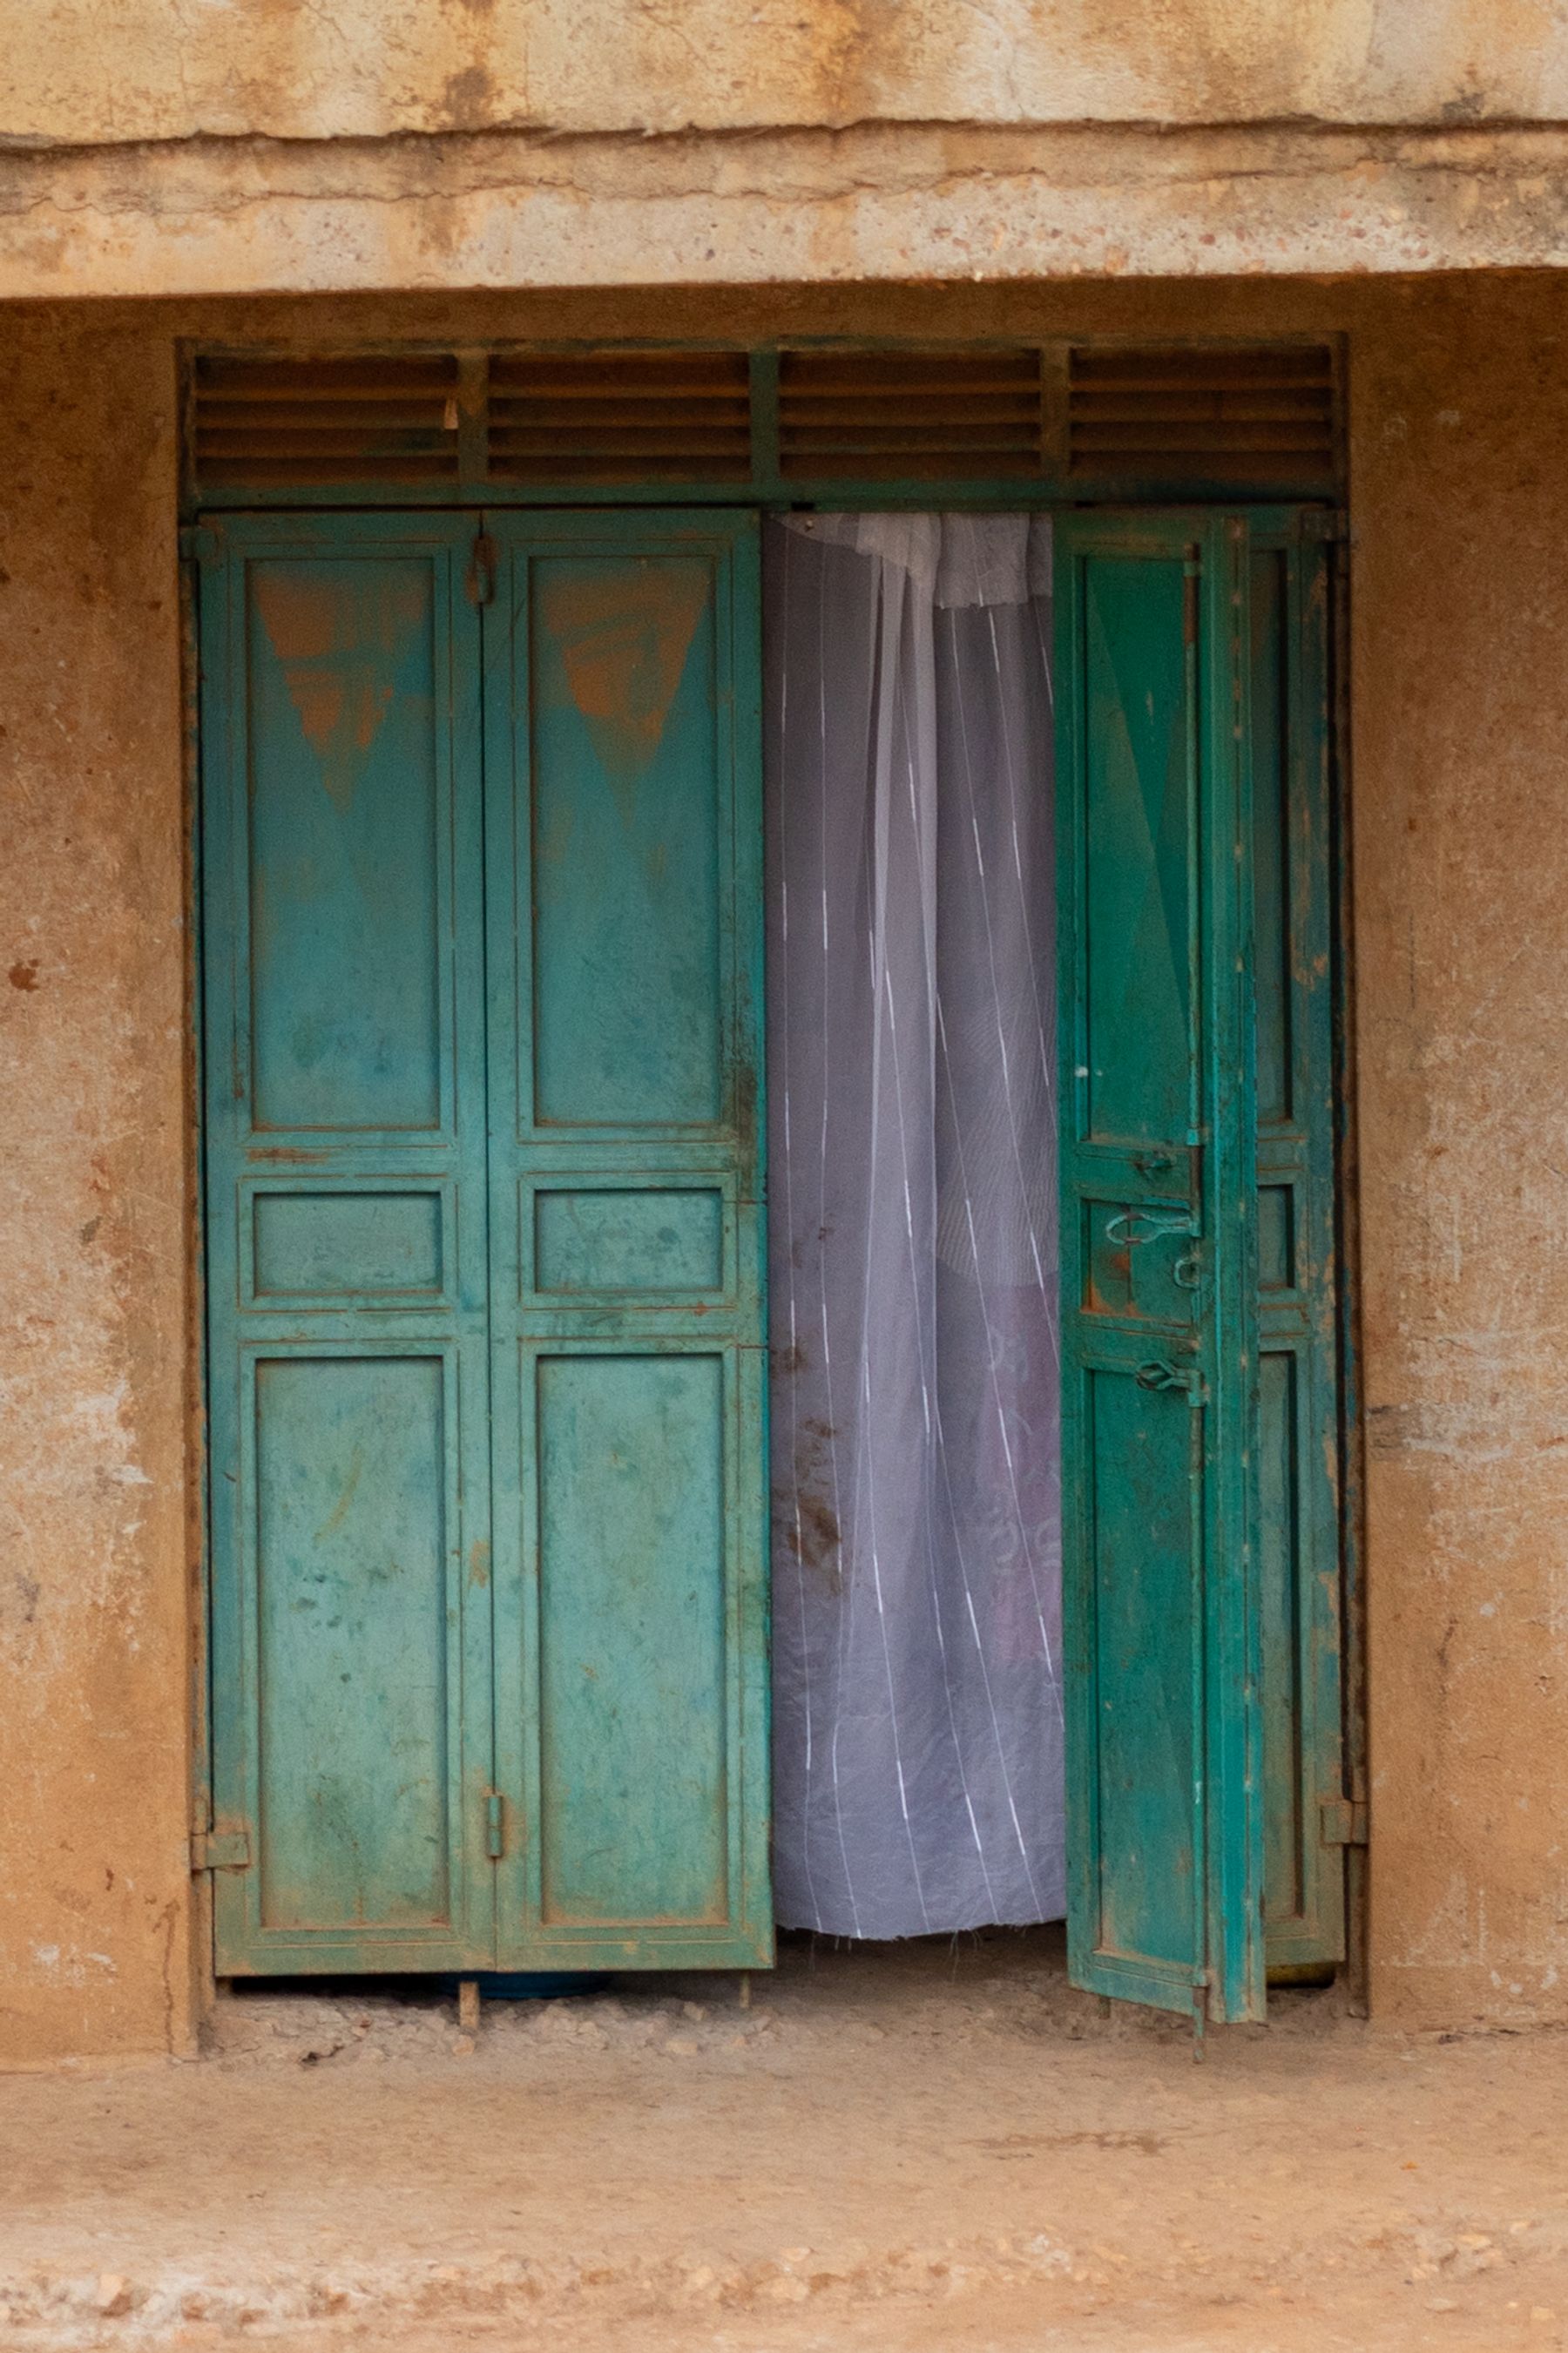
1460	503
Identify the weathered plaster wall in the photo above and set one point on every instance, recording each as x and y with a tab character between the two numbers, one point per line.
1461	740
111	71
94	1724
170	147
1460	397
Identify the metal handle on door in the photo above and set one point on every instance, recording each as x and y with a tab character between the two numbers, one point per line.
1154	1222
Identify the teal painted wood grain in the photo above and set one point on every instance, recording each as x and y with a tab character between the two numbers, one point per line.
1137	1449
1138	815
351	1505
1300	1571
632	1542
345	1206
458	1132
615	1238
624	810
328	1245
1160	1403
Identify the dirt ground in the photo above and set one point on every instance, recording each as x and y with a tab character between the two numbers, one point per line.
935	2148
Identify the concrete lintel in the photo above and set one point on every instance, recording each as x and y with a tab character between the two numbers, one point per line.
877	203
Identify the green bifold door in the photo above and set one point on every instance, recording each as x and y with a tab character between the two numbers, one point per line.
1199	1338
483	1052
481	845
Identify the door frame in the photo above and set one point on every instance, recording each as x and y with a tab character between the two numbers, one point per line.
208	1848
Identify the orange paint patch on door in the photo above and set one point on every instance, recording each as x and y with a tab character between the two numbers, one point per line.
624	632
337	637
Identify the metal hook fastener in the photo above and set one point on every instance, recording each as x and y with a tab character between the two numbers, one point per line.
1154	1222
1154	1164
1160	1376
1187	1273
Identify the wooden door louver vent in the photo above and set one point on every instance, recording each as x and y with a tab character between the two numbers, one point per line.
1234	414
872	417
1148	420
620	417
285	422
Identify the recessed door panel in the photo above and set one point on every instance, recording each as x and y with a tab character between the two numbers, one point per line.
344	805
626	803
1139	815
335	1245
352	1565
1138	1457
632	1638
659	1240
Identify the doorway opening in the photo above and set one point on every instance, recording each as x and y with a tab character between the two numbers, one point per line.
949	761
1050	1071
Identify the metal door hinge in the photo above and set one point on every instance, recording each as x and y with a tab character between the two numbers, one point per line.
495	1825
1325	523
1343	1821
220	1849
481	575
198	542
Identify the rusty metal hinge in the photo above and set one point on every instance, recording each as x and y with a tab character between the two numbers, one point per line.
220	1849
495	1825
1341	1821
481	581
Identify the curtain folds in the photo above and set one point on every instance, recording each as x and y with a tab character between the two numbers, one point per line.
915	1391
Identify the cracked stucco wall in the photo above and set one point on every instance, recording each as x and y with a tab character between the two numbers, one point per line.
1459	414
109	71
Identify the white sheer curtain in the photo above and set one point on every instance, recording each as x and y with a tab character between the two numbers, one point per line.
916	1458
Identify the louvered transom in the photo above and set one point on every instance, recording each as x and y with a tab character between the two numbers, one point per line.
1237	414
620	417
873	417
265	422
1151	420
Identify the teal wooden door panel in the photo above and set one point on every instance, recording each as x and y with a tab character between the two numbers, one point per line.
345	1189
626	1055
1160	1363
1300	1575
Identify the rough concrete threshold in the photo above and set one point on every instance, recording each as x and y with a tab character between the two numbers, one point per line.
917	2147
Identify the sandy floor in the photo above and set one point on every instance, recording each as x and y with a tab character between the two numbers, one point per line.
939	2147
